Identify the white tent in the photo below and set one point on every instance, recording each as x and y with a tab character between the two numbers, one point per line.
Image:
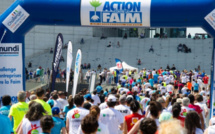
125	66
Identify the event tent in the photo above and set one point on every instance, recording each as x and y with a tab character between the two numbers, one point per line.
125	66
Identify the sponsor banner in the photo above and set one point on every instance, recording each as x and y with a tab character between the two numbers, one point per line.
210	18
69	64
56	58
119	65
115	13
11	70
76	71
92	82
16	18
212	96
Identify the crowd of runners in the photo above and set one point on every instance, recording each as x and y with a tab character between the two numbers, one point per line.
147	102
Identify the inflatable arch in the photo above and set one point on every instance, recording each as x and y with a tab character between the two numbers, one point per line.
23	15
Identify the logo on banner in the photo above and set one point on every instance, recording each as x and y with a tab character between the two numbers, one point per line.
119	65
12	51
77	63
116	13
58	54
16	18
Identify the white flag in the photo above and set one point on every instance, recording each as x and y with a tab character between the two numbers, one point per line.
68	64
76	71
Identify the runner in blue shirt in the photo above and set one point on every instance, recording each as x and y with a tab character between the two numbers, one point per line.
155	78
99	88
59	124
69	107
196	87
5	125
151	81
5	109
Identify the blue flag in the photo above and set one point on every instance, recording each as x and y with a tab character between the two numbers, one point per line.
119	65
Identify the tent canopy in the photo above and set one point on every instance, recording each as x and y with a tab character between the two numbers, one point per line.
125	66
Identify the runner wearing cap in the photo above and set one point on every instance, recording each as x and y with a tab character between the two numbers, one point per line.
111	117
125	110
58	122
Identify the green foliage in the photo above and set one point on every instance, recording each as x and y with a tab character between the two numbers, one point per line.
95	3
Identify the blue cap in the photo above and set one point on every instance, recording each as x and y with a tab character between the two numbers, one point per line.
87	96
51	102
55	110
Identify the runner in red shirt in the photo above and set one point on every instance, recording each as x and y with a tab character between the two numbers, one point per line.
131	119
196	108
205	79
160	70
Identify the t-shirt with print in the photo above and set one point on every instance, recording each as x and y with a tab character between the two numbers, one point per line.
102	129
18	111
196	108
31	127
123	109
163	89
4	110
112	118
75	116
132	119
58	125
185	110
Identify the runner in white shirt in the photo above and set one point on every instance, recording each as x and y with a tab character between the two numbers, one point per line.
160	78
96	98
153	72
31	122
122	107
162	89
158	86
184	89
170	88
102	129
111	117
203	106
62	99
146	85
123	89
199	81
74	116
167	79
56	102
184	79
135	88
171	78
145	102
103	105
